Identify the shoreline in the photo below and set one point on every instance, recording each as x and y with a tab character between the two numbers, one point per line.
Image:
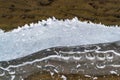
18	13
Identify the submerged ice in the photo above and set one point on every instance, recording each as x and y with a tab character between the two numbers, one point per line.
51	33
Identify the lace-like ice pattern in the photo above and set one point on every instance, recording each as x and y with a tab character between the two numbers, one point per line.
90	60
34	48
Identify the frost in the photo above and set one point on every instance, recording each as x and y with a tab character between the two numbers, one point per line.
51	33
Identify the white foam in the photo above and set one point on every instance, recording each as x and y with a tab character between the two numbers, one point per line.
51	33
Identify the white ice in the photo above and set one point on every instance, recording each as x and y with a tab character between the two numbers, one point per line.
51	33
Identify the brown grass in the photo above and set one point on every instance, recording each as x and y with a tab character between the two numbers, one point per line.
14	13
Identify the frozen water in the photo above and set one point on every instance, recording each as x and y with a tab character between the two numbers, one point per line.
51	33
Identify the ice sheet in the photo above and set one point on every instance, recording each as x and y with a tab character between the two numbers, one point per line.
51	33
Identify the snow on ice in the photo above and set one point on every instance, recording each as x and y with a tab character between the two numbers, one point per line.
52	33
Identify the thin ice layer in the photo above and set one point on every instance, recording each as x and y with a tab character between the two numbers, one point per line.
51	33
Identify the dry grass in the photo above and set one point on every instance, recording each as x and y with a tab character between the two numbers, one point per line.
14	13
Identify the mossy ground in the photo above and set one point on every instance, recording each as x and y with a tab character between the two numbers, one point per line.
14	13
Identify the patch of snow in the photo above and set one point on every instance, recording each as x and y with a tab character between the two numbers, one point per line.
51	33
95	78
63	77
87	76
